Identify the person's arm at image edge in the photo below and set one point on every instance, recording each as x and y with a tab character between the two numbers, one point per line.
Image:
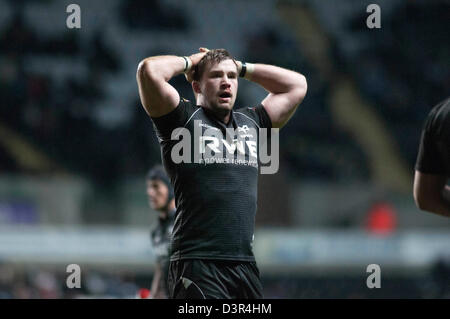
431	193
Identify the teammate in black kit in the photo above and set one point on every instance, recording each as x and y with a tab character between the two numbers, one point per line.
433	162
211	249
161	198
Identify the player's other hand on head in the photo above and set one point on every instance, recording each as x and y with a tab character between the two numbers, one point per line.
195	58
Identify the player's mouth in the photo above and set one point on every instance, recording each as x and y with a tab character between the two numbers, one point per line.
225	97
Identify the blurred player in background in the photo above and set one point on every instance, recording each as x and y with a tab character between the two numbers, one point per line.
431	191
212	243
161	199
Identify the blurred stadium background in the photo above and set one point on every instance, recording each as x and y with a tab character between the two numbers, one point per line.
75	143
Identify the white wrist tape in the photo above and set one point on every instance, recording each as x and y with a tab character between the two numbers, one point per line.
188	64
249	71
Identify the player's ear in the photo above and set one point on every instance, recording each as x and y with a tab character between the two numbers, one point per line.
196	87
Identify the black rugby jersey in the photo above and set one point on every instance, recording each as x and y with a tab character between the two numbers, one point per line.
434	149
216	183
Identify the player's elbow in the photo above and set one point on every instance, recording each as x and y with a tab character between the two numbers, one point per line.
145	71
300	89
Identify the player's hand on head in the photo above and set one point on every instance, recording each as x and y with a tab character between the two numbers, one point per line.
195	58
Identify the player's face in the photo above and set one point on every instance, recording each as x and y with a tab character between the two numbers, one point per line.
157	193
219	86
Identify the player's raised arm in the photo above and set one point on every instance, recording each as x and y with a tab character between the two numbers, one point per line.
287	90
158	97
431	193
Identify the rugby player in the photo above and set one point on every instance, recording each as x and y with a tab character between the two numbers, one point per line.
161	199
431	192
212	240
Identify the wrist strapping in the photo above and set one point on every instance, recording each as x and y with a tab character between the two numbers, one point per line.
188	64
243	69
246	70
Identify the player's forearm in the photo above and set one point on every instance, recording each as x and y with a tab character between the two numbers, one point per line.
278	80
155	284
162	67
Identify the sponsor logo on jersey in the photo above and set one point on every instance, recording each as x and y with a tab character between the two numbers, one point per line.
243	146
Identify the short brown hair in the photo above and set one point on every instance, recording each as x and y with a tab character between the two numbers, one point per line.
214	56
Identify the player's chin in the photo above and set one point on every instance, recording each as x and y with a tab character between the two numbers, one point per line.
228	104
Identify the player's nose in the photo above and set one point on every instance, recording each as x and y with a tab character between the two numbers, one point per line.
225	83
